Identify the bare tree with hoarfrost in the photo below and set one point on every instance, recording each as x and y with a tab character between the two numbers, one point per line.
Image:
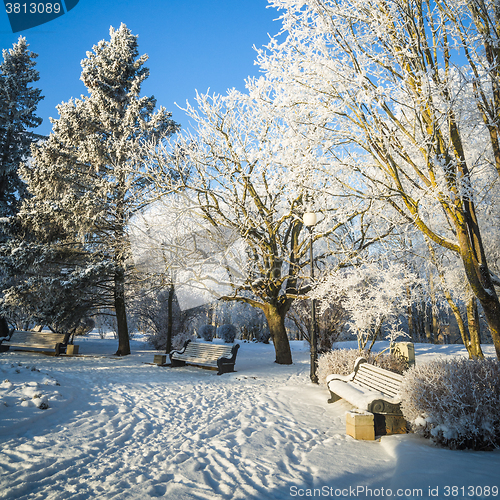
238	171
385	85
85	186
373	296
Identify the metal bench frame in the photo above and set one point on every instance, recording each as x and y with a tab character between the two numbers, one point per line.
212	356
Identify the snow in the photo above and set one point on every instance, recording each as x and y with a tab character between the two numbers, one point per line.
123	428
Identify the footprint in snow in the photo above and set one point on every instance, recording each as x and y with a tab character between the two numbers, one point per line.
180	457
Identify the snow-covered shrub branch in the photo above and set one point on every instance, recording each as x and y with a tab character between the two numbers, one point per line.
454	402
227	333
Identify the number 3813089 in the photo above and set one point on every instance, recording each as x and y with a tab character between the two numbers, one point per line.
33	8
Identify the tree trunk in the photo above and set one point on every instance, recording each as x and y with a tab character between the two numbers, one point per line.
170	321
275	316
478	275
411	319
474	329
432	333
435	321
460	323
121	314
491	309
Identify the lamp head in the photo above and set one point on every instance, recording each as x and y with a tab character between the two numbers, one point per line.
310	219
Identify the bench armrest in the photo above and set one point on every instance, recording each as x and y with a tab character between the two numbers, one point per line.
347	378
227	364
344	378
180	351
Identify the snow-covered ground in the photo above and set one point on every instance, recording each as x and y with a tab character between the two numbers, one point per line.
124	429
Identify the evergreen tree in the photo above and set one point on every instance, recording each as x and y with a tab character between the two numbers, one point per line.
18	102
85	185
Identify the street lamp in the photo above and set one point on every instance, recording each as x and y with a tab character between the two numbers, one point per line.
309	221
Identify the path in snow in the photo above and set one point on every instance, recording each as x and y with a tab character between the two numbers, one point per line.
122	429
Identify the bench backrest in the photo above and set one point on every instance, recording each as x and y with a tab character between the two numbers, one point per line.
378	379
20	337
205	352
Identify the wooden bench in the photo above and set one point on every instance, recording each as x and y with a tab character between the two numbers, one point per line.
212	356
36	341
371	389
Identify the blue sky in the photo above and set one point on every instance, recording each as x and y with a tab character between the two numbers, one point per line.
192	44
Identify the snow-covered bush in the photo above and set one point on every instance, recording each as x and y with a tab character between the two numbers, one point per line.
207	332
180	338
454	402
85	326
341	362
263	336
158	339
227	333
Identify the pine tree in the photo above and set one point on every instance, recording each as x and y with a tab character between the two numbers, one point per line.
18	103
85	182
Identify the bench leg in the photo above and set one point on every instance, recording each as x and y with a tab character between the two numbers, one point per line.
225	368
176	362
333	397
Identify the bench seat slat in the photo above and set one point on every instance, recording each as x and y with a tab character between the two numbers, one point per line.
40	346
385	373
375	376
377	383
384	382
373	385
208	352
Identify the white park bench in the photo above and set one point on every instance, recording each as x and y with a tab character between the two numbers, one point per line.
371	389
219	357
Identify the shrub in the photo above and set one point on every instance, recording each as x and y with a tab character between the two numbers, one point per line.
207	332
227	333
454	402
341	362
263	336
180	338
84	327
159	340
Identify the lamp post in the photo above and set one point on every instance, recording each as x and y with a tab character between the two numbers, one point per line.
309	221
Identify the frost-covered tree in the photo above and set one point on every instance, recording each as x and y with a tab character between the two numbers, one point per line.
84	183
384	84
18	103
373	296
239	173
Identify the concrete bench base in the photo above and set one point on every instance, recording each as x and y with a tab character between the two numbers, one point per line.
360	425
72	349
160	359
